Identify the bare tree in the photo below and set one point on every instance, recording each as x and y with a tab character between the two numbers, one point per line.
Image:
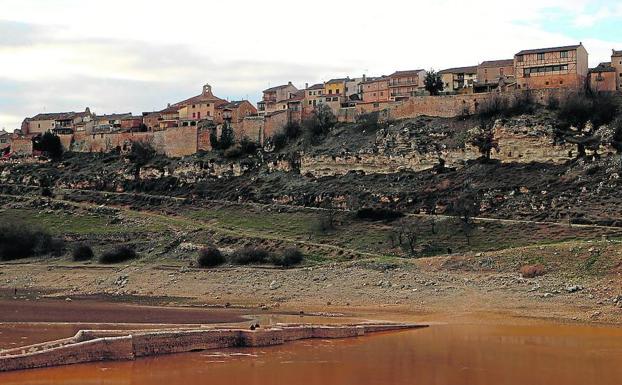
466	207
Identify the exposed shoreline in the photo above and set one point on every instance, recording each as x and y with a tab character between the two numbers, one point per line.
409	293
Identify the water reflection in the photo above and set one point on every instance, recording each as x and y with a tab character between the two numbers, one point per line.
456	354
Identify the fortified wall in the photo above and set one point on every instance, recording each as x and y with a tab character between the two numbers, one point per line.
173	142
450	106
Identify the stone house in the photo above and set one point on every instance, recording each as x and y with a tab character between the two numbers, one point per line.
459	80
556	67
234	111
406	84
602	78
132	123
5	141
45	122
274	98
169	117
376	89
312	98
200	107
110	122
354	89
493	73
616	62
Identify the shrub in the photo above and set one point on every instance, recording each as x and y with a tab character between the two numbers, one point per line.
250	255
532	271
292	130
319	124
378	214
248	146
370	121
141	153
227	139
22	241
577	110
325	222
290	257
82	253
49	144
120	254
233	152
210	257
279	140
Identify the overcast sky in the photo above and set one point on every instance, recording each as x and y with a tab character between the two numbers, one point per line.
139	55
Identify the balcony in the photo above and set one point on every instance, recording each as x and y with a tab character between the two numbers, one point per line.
404	84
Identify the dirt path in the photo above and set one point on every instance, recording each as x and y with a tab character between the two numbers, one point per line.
263	205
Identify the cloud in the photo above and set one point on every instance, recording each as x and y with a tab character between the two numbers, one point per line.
119	55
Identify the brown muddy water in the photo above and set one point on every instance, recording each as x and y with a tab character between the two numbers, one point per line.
461	352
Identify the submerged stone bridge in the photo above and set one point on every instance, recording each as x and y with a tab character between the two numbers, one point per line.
110	345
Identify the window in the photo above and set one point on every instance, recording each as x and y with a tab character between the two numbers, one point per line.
519	58
561	82
193	115
563	54
337	91
540	56
330	92
382	94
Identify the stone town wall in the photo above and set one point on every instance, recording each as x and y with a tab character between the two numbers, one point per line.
180	141
173	142
446	106
203	140
250	128
65	141
106	142
275	123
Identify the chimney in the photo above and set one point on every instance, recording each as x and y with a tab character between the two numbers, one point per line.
364	77
306	85
168	105
289	84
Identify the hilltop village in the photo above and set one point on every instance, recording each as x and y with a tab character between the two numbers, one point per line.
192	125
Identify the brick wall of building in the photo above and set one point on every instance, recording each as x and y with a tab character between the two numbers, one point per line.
21	146
275	123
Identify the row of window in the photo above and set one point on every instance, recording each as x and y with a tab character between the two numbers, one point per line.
535	70
542	56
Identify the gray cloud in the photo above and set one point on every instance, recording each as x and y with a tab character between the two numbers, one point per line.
176	72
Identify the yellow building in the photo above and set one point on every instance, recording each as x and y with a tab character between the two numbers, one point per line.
336	87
